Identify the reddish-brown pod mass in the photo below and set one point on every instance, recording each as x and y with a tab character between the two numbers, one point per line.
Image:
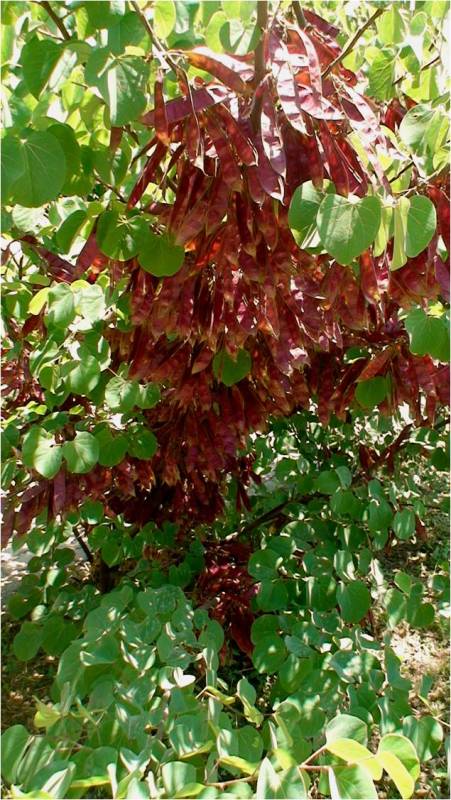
238	147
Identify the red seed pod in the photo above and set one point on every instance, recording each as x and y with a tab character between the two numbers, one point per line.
160	118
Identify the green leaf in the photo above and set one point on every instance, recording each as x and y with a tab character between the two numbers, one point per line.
268	623
327	482
351	783
57	634
128	30
66	234
404	524
421	225
142	444
92	512
269	653
264	564
403	581
176	775
380	515
82	453
119	236
40	452
61	306
304	208
415	125
230	370
383	234
34	170
28	641
188	737
112	449
213	30
102	14
12	161
426	735
420	615
84	376
391	27
121	395
248	696
239	37
38	301
39	58
347	226
89	300
148	396
428	335
401	747
14	742
400	218
354	600
355	753
111	552
238	9
159	256
272	595
286	784
72	154
164	18
398	773
46	715
381	75
122	82
345	726
29	220
395	604
371	392
101	651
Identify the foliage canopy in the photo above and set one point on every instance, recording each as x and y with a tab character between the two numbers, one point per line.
222	219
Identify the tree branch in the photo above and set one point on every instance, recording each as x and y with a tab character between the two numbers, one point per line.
83	546
435	60
260	66
153	38
349	47
299	14
56	19
409	164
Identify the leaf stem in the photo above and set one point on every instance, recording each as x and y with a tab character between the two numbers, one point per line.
58	22
260	65
83	546
349	47
435	60
153	38
299	14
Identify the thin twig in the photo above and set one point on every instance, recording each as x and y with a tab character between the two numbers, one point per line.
111	189
349	47
426	66
223	784
58	22
154	39
260	66
84	546
299	14
409	164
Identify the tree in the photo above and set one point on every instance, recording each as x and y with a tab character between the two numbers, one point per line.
215	215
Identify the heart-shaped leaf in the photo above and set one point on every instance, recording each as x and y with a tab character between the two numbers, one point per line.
347	225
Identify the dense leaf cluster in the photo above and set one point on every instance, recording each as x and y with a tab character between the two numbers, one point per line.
221	219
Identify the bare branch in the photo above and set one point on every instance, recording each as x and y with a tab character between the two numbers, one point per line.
56	19
299	14
260	66
349	47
